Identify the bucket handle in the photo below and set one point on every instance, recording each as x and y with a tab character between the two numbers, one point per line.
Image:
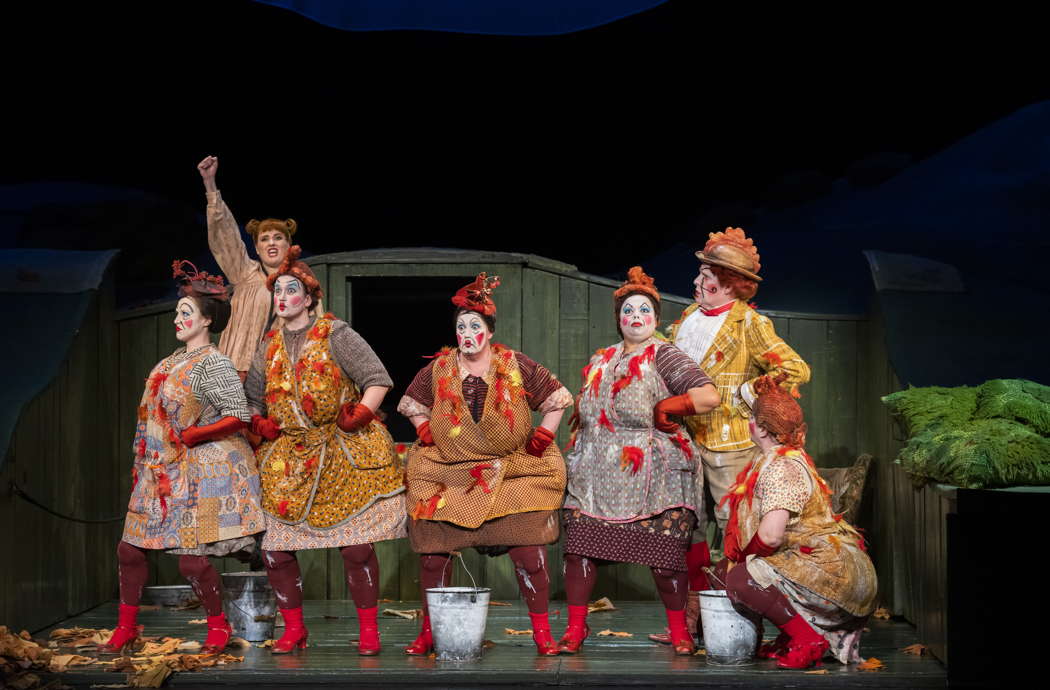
474	594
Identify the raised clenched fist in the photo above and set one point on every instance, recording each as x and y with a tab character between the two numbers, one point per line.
208	167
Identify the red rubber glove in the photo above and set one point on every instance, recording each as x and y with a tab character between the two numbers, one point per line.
423	433
538	442
265	427
354	416
679	405
227	426
758	547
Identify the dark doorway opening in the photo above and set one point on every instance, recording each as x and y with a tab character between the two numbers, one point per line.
404	320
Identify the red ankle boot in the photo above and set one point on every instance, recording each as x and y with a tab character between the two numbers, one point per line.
368	629
125	634
576	632
295	632
219	633
541	634
424	644
679	632
805	647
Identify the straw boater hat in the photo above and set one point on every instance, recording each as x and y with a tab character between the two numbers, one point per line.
732	249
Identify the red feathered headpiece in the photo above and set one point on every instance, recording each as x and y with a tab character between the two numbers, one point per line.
194	283
291	266
638	281
478	295
778	412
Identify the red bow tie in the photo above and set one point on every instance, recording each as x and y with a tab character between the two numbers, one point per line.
717	310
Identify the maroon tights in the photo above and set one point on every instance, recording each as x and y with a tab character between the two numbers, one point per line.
530	565
133	571
764	601
359	563
582	572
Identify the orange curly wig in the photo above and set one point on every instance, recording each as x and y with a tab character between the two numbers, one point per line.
779	413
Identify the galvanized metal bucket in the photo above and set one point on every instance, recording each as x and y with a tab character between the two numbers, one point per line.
457	620
730	638
249	604
168	595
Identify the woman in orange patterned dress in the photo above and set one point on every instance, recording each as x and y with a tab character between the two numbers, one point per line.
480	475
330	476
789	557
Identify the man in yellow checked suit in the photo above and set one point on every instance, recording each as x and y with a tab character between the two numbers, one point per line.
734	345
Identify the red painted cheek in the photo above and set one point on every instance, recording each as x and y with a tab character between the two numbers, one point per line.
296	301
648	320
624	321
479	338
189	323
459	338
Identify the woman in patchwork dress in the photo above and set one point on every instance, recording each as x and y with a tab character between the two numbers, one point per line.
789	557
480	475
330	475
632	469
195	489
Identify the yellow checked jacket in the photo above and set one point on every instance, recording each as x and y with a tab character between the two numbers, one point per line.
745	348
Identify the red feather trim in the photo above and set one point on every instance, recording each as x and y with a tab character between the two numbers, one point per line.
583	374
330	316
160	413
732	531
271	396
308	404
631	456
806	549
134	477
719	356
300	366
596	382
452	417
282	508
603	420
155	383
311	463
608	354
143	413
773	358
271	350
163	491
683	444
319	367
141	447
478	479
320	331
172	438
270	334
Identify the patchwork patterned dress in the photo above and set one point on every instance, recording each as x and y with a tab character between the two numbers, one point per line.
193	501
822	567
476	486
631	486
323	487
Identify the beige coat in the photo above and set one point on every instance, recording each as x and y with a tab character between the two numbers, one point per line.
252	301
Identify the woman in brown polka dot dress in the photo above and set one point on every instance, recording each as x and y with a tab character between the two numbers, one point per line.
330	476
632	469
481	475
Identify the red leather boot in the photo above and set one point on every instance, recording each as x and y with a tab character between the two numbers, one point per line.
541	634
424	644
576	632
295	632
368	629
219	633
125	634
805	647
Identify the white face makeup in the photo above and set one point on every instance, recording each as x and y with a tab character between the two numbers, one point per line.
188	320
472	335
289	297
272	246
637	319
708	291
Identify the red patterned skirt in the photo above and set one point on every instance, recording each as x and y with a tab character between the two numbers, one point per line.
660	541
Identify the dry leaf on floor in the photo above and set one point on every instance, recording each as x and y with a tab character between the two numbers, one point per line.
614	633
124	663
385	601
60	662
149	607
410	614
603	604
499	603
167	645
882	613
265	644
189	647
197	621
818	672
187	605
432	655
24	681
915	649
700	652
488	644
512	631
239	643
263	619
871	664
150	677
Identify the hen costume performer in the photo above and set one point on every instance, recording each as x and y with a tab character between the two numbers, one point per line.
789	557
632	469
480	475
253	313
330	475
735	345
195	489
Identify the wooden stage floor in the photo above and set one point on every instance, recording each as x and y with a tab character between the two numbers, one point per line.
603	661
